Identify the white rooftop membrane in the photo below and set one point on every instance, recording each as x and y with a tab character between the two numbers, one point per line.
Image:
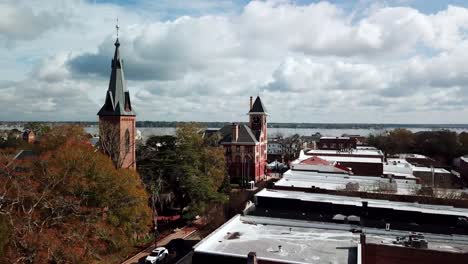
357	201
304	241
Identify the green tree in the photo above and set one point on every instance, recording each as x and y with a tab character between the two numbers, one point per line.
442	145
202	171
400	140
463	140
188	165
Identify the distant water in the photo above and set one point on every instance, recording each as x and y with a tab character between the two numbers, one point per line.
159	131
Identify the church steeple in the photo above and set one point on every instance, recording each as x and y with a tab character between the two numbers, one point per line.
258	107
116	118
118	101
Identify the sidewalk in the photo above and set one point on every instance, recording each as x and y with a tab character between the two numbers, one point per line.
182	233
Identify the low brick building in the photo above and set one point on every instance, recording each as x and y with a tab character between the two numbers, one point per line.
337	143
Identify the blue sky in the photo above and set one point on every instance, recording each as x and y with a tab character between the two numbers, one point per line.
425	6
311	61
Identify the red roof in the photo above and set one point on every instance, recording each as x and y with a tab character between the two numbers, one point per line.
314	160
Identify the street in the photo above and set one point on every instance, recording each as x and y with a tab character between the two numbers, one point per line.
174	242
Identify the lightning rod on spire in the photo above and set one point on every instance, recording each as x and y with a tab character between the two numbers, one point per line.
117	27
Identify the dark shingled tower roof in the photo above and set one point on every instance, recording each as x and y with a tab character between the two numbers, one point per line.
117	97
258	106
245	134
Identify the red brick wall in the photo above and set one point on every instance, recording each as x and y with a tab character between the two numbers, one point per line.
236	169
383	254
344	154
122	123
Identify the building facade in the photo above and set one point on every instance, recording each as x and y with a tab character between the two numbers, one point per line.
337	143
29	136
117	118
245	146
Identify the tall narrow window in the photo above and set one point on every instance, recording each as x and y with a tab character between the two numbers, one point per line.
127	141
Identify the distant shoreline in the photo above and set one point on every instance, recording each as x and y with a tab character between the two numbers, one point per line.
168	124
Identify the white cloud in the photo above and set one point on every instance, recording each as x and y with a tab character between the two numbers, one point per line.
311	63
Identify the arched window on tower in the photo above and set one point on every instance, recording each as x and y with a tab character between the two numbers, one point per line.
127	141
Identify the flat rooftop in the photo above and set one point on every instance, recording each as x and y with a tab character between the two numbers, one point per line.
411	155
263	235
398	168
305	241
334	181
357	201
350	159
427	169
335	138
357	152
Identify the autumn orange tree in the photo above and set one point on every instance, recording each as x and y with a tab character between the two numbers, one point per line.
71	205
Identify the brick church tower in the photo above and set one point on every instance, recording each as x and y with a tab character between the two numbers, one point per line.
245	146
258	125
117	118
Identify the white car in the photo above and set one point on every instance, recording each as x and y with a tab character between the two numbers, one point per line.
157	255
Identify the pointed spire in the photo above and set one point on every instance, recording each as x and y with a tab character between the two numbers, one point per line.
118	98
258	107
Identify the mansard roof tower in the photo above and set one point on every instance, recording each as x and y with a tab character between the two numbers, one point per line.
117	117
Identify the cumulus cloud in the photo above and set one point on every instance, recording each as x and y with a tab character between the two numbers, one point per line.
314	62
19	22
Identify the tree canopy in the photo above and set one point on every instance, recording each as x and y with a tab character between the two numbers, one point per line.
70	205
188	165
442	145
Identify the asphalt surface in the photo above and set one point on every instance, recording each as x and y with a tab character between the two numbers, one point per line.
174	242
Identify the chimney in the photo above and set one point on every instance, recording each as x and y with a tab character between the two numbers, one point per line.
252	258
235	132
251	102
364	212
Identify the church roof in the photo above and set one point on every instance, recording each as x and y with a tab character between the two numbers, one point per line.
258	106
245	134
117	98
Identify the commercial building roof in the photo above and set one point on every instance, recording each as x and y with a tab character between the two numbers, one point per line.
334	137
334	181
354	152
315	163
427	169
357	201
264	236
298	241
411	155
398	169
464	158
350	159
